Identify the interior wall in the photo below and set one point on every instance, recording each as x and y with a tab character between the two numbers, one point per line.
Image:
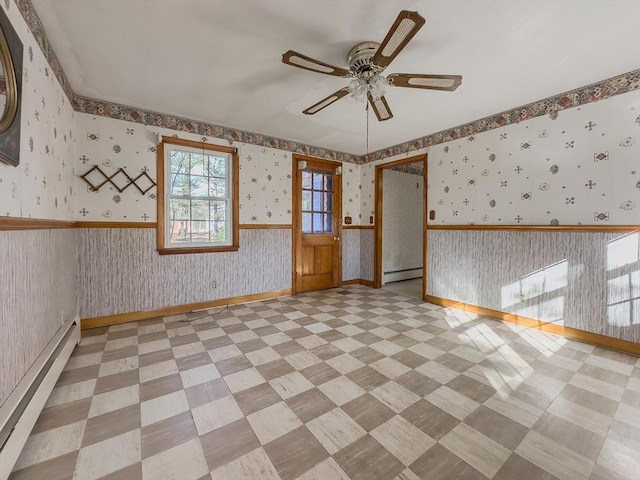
578	166
402	204
265	200
37	271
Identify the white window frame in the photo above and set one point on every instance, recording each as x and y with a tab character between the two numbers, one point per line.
165	149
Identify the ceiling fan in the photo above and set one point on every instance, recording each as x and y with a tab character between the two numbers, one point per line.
367	60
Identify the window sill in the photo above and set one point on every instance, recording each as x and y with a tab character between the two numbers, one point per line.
186	250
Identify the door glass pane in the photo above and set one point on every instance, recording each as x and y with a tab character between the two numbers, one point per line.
306	179
317	223
306	200
318	181
306	223
328	202
317	201
328	222
328	182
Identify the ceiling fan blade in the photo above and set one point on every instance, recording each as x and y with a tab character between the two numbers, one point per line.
404	28
325	102
430	82
381	108
302	61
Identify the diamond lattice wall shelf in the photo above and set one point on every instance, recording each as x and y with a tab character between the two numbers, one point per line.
121	180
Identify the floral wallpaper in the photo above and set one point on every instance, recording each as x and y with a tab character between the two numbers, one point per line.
42	185
579	166
265	174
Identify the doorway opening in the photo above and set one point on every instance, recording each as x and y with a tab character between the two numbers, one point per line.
400	226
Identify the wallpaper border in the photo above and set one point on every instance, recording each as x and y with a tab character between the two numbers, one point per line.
594	92
28	12
543	228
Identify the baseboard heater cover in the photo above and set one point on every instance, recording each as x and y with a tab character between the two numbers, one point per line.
399	275
20	411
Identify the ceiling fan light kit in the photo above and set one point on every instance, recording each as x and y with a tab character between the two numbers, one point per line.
367	61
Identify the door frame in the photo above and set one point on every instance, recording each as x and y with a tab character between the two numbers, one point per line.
377	226
296	213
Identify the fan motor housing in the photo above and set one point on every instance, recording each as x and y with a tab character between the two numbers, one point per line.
359	57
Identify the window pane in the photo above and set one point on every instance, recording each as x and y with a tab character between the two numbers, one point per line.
317	201
306	200
218	211
328	182
179	209
328	202
217	187
199	231
318	181
200	209
179	162
198	164
178	231
317	223
218	232
217	166
306	179
306	223
199	186
328	222
179	184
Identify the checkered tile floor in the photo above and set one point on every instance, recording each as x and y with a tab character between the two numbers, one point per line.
351	383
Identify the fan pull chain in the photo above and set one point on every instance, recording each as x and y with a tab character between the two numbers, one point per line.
367	109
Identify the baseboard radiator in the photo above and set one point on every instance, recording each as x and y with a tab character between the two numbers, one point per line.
18	414
399	275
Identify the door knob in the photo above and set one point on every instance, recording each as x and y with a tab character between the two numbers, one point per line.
336	238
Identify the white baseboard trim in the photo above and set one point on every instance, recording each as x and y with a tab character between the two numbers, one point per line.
34	390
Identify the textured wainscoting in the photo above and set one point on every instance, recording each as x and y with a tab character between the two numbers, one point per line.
350	254
573	279
119	270
38	278
367	242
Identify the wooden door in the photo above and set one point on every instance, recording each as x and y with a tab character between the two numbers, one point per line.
317	215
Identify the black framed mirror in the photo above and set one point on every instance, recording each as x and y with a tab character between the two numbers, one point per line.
10	91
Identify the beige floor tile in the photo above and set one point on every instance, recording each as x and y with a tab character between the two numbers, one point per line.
254	465
118	366
628	414
335	430
262	356
210	333
556	459
273	422
594	385
70	393
479	451
311	341
227	443
403	440
579	415
347	344
244	379
108	456
438	372
83	361
188	349
302	360
120	343
452	402
199	375
366	459
290	384
620	459
341	390
216	414
515	409
276	339
114	400
386	347
295	453
427	351
390	368
395	396
163	407
163	466
224	353
150	347
326	470
345	363
50	444
158	370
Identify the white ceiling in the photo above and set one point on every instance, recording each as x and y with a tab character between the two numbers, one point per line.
219	61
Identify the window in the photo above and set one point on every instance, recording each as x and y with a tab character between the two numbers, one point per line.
197	197
317	202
